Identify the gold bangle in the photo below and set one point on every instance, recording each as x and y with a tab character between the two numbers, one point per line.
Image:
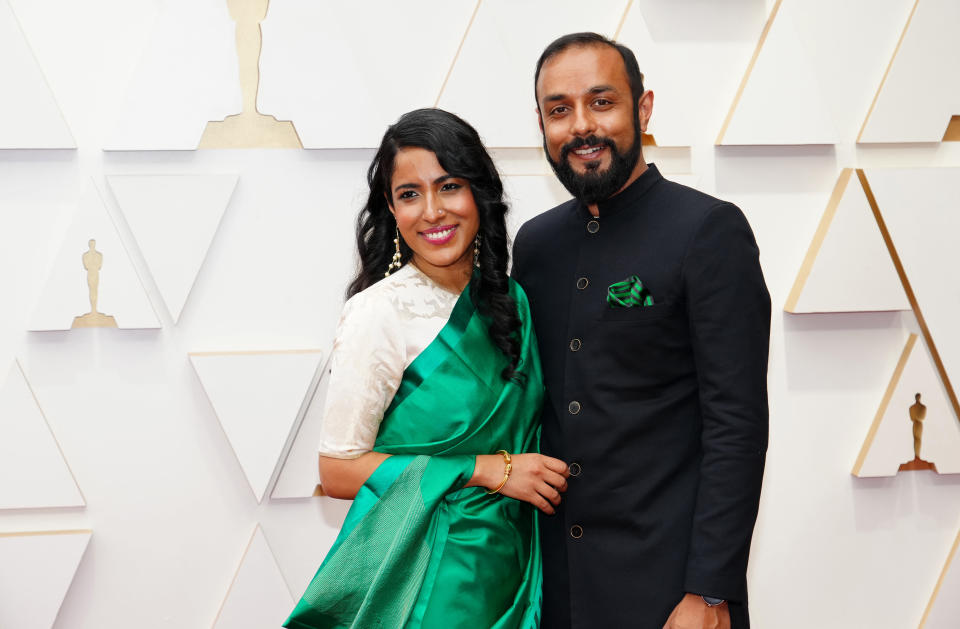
507	468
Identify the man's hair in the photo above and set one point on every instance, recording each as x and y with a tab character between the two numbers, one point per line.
634	76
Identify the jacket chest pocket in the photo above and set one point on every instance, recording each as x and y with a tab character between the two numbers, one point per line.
639	315
640	342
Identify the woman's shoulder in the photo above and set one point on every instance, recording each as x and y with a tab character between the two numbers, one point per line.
377	302
404	294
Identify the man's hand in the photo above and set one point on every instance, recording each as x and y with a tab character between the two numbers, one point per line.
692	613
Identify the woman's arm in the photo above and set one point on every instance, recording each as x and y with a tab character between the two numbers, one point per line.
535	478
343	478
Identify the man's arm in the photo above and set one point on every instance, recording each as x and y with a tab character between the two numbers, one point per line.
729	317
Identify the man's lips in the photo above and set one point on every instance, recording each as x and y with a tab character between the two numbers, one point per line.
588	153
439	235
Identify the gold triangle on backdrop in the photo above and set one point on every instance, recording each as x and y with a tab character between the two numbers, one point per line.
952	134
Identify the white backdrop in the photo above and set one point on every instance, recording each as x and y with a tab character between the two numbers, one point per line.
260	267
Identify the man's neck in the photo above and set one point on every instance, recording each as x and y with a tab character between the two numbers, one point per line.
638	170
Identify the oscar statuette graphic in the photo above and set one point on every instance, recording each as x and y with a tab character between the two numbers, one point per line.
918	412
249	128
93	262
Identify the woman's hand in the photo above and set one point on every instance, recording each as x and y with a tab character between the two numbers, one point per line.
536	478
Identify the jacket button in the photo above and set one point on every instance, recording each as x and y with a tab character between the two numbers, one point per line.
582	283
576	531
593	226
574	407
575	345
575	469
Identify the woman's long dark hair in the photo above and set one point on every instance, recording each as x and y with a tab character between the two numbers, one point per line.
461	153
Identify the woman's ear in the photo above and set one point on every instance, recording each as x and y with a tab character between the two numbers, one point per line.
386	196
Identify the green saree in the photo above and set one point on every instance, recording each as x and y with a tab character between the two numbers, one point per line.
418	549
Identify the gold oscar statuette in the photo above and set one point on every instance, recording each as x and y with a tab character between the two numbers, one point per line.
93	262
918	412
249	128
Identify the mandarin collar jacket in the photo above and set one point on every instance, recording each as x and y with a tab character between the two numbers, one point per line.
660	410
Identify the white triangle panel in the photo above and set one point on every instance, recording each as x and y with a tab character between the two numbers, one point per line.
921	209
259	597
66	293
187	77
693	61
300	474
782	101
343	95
499	55
920	92
29	115
257	397
32	467
36	570
174	219
891	440
944	607
848	267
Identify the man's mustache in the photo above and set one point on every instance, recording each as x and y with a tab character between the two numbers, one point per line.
590	140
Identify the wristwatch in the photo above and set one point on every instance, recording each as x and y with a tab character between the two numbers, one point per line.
712	602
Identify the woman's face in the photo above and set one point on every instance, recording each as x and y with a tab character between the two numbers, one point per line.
436	214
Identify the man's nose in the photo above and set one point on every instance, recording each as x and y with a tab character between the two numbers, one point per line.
583	122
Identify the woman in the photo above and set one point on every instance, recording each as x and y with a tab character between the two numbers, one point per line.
431	415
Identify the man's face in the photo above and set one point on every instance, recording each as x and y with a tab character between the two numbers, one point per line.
590	131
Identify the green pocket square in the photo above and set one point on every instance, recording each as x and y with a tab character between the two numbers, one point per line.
628	293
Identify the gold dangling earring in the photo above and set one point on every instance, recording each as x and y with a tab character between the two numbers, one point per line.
476	251
395	263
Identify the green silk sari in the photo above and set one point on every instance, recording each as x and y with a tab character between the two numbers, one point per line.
418	549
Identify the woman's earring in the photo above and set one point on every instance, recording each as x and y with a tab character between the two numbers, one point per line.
476	251
395	263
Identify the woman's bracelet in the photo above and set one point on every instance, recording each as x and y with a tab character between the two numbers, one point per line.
507	468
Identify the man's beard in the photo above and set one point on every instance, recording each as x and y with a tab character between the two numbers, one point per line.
594	185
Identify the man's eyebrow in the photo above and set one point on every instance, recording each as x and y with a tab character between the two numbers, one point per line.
597	89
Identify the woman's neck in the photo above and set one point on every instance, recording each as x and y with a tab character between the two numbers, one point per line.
453	278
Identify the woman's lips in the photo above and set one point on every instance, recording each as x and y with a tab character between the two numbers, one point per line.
439	235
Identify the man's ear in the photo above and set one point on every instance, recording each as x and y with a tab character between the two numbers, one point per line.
539	119
645	110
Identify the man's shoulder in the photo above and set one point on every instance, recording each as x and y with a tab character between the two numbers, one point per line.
688	210
691	201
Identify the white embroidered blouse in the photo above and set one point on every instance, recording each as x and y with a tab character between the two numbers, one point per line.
381	331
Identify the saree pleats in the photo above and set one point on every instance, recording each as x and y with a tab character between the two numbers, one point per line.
418	549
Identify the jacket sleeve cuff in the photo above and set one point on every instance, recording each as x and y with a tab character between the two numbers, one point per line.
728	587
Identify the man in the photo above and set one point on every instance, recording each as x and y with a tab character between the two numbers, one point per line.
653	321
